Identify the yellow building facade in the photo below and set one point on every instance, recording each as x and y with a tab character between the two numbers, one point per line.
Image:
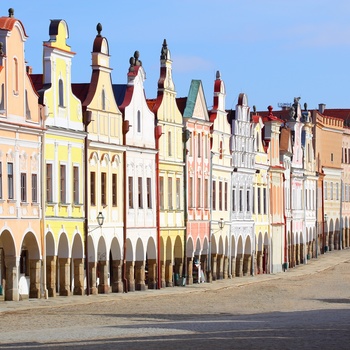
171	175
63	168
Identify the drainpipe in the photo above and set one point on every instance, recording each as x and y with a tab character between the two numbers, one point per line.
158	134
126	127
341	214
87	120
186	135
42	211
211	214
323	225
317	225
285	226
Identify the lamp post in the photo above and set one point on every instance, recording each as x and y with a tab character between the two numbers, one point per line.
221	223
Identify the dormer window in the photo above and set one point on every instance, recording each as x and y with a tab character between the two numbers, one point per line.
60	93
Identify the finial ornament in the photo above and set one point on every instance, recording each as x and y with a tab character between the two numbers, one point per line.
11	12
218	74
99	29
164	51
134	61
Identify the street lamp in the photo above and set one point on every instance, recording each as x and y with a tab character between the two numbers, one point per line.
221	223
100	219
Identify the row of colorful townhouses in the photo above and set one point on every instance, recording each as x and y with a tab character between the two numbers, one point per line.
103	190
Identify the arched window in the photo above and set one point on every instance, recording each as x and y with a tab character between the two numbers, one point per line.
60	93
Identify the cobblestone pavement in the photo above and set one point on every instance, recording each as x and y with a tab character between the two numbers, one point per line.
304	308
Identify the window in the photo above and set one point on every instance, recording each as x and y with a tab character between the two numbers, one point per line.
331	191
93	188
161	192
199	139
28	115
131	192
220	195
325	190
140	199
214	195
332	157
10	180
178	193
337	191
234	200
103	99
259	200
0	180
206	186
103	188
138	121
75	184
190	193
60	93
34	188
15	76
199	193
169	144
114	190
265	201
170	193
346	156
23	187
248	200
63	184
149	193
226	194
205	146
49	183
241	200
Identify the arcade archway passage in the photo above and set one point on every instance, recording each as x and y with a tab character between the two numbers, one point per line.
306	307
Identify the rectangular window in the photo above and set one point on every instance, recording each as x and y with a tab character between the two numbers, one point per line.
93	188
226	194
140	199
10	180
331	191
259	200
199	139
49	183
220	195
131	192
190	196
234	200
214	195
337	191
103	188
248	201
75	185
63	184
178	193
199	193
23	187
170	193
346	155
34	188
114	190
169	144
240	200
161	192
332	157
206	186
149	193
0	180
265	201
325	191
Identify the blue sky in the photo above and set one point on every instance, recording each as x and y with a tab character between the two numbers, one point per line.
272	50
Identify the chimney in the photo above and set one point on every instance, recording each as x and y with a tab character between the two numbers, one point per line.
321	107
